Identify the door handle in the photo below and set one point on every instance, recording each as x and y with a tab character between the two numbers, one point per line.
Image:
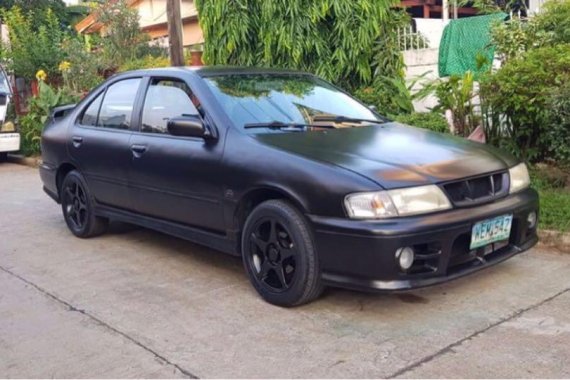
77	141
138	150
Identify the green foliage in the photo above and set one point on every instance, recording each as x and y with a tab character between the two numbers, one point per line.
456	93
558	106
549	27
334	39
40	107
494	6
32	46
555	209
36	9
389	95
522	92
30	132
146	62
429	120
482	6
387	59
514	38
388	90
552	185
554	20
85	67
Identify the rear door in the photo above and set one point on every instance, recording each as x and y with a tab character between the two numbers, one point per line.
99	142
175	178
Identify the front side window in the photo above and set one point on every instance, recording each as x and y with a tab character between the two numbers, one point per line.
117	107
165	99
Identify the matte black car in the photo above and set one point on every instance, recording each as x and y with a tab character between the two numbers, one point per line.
310	186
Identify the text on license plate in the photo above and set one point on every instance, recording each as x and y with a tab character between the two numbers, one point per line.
490	231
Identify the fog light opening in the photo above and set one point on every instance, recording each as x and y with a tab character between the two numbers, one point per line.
405	257
531	219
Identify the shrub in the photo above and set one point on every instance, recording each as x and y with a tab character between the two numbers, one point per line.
123	40
147	62
31	125
390	96
429	120
549	27
456	93
559	130
521	91
81	69
514	38
554	19
32	46
30	132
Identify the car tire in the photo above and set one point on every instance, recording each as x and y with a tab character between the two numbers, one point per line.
77	207
279	254
3	157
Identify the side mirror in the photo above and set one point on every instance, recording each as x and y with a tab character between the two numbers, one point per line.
372	107
188	126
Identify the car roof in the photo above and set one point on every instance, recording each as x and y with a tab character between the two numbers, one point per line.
207	71
237	70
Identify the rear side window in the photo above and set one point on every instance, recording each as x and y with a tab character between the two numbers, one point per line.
117	107
89	117
164	100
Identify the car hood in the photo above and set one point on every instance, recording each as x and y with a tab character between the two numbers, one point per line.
394	155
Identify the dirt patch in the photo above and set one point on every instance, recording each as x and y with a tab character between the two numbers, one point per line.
555	239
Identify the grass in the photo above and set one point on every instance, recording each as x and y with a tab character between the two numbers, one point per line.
554	201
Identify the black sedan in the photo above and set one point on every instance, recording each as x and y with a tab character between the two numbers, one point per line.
308	185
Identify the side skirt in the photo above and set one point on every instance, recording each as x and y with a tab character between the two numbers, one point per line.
195	235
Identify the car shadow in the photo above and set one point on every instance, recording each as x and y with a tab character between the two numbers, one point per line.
230	268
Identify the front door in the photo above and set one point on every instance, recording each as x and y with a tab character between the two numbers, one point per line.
99	143
175	178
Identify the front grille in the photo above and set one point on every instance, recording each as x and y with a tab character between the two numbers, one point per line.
477	190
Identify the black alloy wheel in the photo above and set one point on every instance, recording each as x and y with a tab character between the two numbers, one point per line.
273	254
77	207
279	254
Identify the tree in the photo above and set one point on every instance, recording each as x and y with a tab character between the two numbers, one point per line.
37	8
332	38
33	46
122	37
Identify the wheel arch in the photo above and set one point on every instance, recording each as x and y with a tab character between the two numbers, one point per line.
62	171
254	197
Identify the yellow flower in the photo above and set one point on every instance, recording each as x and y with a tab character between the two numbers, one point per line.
64	66
41	75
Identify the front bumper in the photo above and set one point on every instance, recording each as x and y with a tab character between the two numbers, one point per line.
361	254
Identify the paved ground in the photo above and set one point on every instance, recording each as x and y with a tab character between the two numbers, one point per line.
136	303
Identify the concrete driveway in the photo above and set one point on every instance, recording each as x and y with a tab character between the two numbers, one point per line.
136	303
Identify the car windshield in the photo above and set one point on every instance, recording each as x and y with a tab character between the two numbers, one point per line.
284	98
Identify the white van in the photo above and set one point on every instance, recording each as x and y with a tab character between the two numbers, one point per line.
9	138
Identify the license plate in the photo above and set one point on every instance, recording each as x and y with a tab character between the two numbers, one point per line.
490	231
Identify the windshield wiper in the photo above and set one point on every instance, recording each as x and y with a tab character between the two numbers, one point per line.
280	125
346	119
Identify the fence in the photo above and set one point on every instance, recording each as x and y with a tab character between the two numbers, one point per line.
409	39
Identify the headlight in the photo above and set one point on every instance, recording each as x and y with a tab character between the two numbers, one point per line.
520	179
399	202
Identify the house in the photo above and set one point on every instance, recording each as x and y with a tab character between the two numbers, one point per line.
153	21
